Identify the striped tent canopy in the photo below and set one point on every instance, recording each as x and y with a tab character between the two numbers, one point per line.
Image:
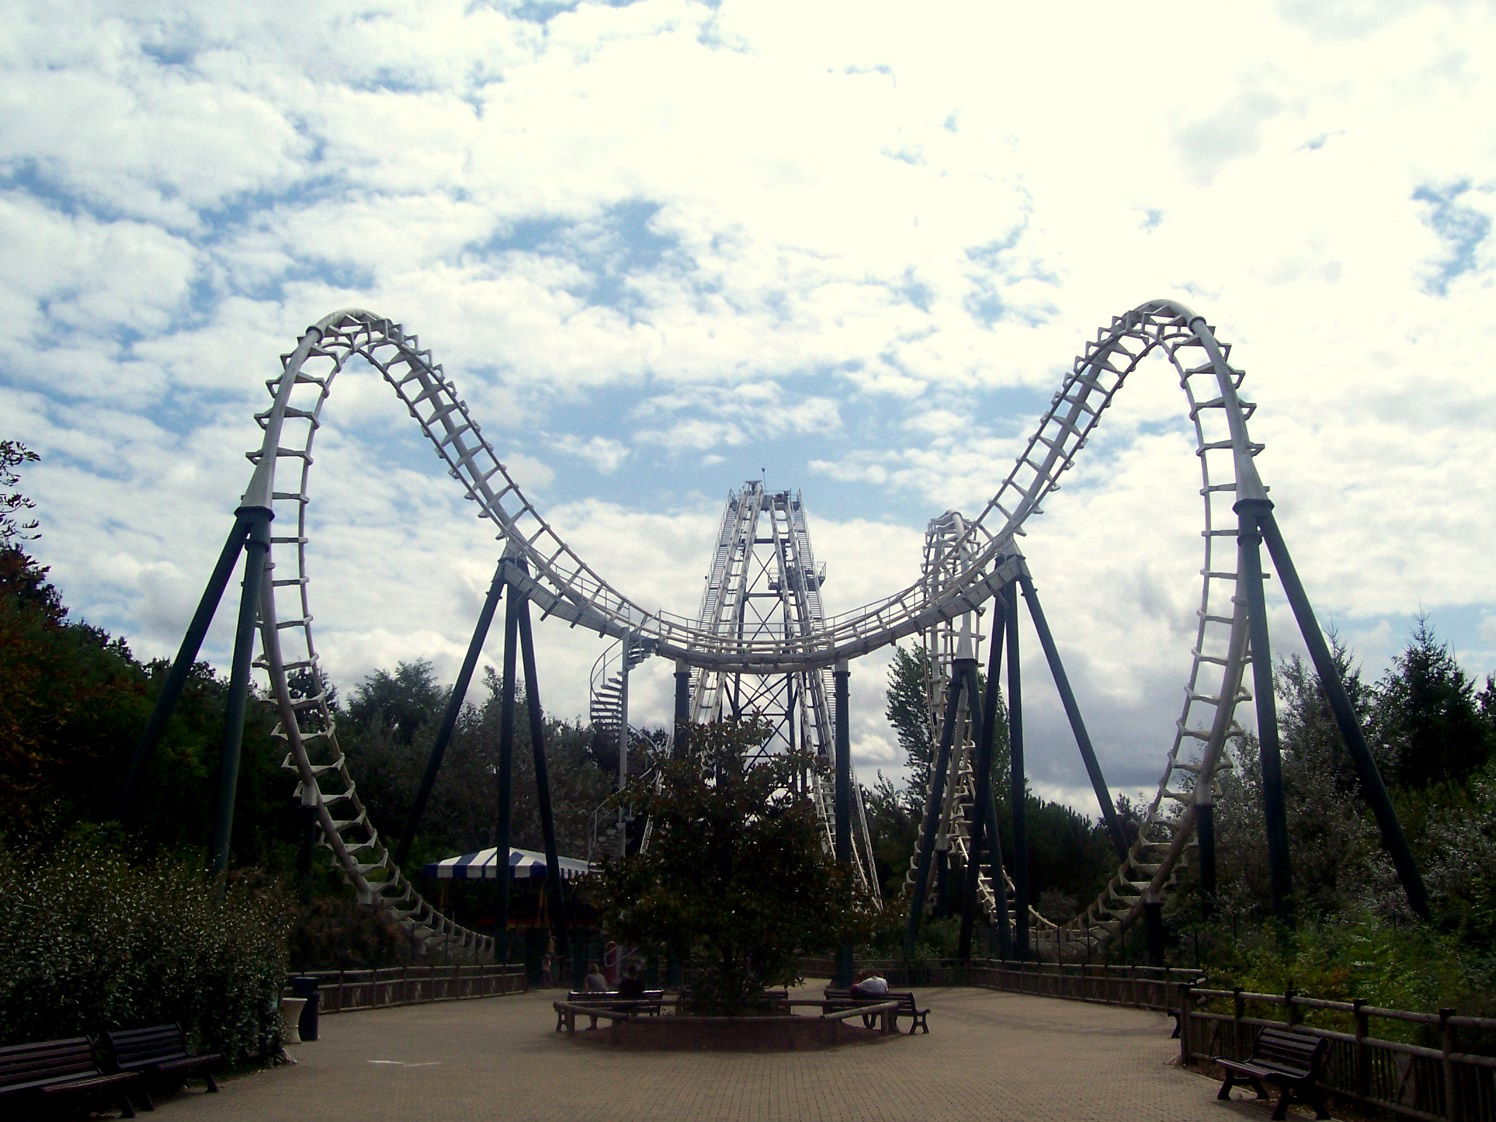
524	864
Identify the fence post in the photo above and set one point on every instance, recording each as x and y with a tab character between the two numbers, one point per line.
1238	1011
1452	1109
1363	1050
1290	1012
1186	1030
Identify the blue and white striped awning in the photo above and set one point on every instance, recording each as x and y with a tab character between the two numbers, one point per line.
524	864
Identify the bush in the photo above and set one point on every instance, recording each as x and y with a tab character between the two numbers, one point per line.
90	941
1408	966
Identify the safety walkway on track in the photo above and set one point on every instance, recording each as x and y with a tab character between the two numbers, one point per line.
988	1056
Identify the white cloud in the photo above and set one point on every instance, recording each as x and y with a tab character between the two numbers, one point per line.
670	243
601	452
77	276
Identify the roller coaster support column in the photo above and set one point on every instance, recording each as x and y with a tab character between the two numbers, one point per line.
256	520
1153	924
843	840
1205	837
936	798
553	882
623	743
1072	710
983	809
506	781
181	669
1275	817
1018	779
994	833
1372	788
453	711
682	741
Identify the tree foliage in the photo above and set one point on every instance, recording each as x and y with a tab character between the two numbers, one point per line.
391	727
1429	717
90	939
736	878
15	527
1431	736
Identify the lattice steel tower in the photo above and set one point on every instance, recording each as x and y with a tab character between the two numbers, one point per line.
764	585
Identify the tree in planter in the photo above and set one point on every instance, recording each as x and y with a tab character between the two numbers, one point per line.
736	879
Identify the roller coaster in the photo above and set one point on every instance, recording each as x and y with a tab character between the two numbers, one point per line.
779	655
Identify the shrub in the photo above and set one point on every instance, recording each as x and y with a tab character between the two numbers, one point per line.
90	941
1406	966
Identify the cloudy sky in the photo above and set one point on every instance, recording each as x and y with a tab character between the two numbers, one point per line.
848	248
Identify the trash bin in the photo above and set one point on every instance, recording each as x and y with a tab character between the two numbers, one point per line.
307	987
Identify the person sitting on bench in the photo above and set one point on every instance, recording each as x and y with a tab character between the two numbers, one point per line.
631	986
869	984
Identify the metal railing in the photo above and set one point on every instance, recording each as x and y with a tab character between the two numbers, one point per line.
343	991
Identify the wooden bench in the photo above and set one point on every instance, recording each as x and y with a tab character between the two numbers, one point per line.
846	999
1290	1061
650	1003
58	1071
159	1053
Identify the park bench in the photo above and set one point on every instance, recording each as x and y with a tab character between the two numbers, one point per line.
54	1072
1290	1061
846	999
608	1000
159	1053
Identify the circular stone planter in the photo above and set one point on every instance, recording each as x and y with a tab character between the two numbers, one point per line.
678	1033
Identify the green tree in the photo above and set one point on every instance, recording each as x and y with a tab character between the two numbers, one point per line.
391	727
1428	715
893	819
908	712
736	878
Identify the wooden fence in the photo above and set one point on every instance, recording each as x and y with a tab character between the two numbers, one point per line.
1427	1075
1439	1067
1143	987
342	991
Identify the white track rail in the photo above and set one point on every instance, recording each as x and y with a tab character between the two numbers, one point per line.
561	584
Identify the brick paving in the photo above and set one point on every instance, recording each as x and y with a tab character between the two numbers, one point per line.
987	1056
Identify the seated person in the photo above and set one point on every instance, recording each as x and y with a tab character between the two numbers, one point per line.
631	986
594	982
870	984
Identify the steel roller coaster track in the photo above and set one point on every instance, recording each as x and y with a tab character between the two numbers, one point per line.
561	584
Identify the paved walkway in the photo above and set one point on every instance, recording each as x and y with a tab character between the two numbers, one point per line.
987	1056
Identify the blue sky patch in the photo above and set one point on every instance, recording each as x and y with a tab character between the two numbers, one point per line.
1461	228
